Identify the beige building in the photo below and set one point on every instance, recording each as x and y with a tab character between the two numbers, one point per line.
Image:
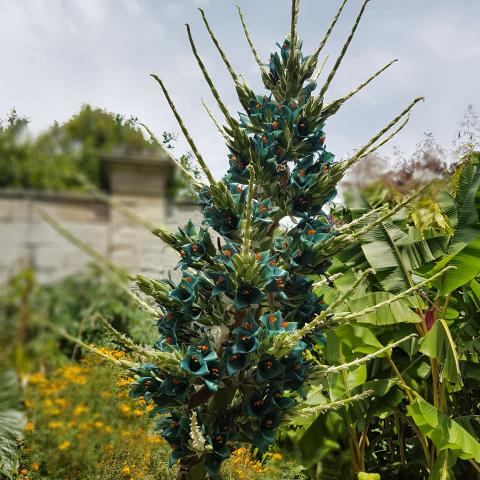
139	182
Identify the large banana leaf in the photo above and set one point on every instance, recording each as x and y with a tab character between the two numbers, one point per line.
439	344
393	249
396	312
466	202
464	248
467	267
12	421
445	433
442	468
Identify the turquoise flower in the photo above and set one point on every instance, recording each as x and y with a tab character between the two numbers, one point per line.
247	295
195	364
235	361
269	368
244	341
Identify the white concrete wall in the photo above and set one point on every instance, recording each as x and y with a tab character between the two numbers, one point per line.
27	241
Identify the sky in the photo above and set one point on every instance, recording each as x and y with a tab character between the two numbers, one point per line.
56	55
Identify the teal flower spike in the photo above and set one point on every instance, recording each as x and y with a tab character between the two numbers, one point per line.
251	285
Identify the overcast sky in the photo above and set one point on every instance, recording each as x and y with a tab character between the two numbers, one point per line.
58	54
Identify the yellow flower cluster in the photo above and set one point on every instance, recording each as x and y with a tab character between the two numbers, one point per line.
73	404
74	374
243	464
111	353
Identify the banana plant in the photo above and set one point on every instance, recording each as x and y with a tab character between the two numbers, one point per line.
422	421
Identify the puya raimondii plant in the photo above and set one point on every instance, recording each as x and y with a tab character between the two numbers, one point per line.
237	331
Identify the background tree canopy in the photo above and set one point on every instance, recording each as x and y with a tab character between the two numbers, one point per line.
53	160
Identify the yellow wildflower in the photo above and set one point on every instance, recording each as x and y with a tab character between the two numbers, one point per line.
138	413
79	409
37	378
53	411
35	466
61	402
55	424
155	439
30	427
124	408
123	382
126	470
64	445
24	471
73	374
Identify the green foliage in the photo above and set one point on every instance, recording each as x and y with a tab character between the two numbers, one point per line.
82	425
422	422
53	160
446	433
69	303
12	422
439	344
248	344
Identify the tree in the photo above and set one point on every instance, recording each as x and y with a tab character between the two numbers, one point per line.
467	138
53	160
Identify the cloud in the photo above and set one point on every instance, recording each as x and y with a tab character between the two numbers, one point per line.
61	54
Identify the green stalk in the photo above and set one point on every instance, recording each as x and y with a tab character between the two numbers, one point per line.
219	48
213	89
103	261
328	370
387	139
216	122
343	317
169	361
343	51
389	301
320	69
361	219
186	133
117	205
115	361
316	53
307	412
248	213
115	273
300	333
285	342
360	153
336	104
250	42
